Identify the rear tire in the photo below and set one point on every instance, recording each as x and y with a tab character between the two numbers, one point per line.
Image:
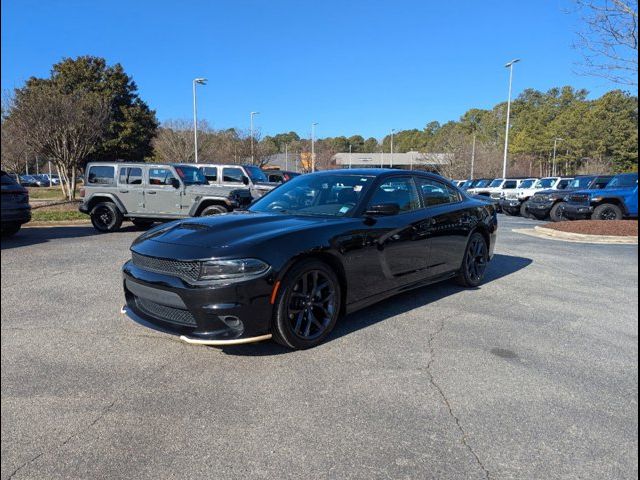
106	217
474	263
213	210
307	305
556	213
607	211
138	222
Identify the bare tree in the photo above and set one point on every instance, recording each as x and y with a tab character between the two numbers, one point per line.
63	127
609	39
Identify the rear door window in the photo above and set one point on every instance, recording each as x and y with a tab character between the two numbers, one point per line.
101	175
210	173
130	176
398	190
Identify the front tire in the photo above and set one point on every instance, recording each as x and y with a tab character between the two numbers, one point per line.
475	261
106	217
607	211
524	211
556	213
307	305
213	210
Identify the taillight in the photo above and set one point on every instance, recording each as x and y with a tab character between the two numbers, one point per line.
81	192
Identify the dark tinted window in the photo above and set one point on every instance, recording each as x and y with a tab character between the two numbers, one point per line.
130	175
510	184
7	179
210	173
101	175
234	175
399	190
276	178
436	193
160	176
563	184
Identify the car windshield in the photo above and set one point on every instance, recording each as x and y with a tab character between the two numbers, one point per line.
546	182
527	183
466	184
327	194
578	183
496	183
623	181
482	183
191	175
256	174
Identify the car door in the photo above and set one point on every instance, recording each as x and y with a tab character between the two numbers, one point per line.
161	197
395	247
131	189
449	225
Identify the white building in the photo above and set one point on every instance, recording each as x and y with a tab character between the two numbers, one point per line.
409	160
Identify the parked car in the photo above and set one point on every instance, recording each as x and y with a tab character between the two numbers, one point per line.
516	201
279	176
320	245
15	208
248	176
53	178
145	193
478	182
548	203
28	181
617	201
42	180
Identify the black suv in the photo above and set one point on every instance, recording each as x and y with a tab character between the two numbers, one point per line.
16	210
550	202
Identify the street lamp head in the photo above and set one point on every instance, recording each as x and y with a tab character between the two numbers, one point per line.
200	81
515	60
255	113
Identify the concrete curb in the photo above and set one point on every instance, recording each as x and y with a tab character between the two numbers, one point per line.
70	223
550	234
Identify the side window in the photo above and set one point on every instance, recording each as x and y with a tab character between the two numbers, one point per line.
510	184
601	183
210	173
399	190
130	176
101	175
232	175
563	184
275	178
436	193
160	176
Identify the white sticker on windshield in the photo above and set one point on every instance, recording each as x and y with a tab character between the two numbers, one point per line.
357	188
344	209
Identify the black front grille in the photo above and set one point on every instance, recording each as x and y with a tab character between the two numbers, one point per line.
189	271
579	198
168	314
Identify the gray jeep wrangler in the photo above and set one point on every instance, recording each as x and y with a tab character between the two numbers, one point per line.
145	193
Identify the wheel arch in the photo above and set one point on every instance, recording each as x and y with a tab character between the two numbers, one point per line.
105	197
207	202
618	202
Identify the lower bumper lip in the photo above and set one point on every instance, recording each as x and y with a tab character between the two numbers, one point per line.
191	340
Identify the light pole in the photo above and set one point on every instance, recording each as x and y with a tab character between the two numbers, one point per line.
393	130
313	147
350	155
196	81
251	130
473	155
555	148
506	135
286	156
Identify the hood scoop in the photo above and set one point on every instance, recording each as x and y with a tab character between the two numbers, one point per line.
194	226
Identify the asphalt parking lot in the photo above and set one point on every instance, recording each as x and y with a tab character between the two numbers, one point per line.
533	375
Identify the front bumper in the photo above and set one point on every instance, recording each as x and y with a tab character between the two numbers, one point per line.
540	208
18	215
511	206
209	315
576	211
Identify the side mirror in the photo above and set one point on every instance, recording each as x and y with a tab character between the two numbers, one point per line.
175	183
245	180
383	210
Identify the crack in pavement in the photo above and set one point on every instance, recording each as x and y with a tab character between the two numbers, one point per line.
455	418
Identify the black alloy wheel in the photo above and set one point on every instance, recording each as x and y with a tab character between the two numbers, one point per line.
556	212
106	217
308	305
474	264
607	211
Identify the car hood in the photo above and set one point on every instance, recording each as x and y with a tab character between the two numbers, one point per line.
222	235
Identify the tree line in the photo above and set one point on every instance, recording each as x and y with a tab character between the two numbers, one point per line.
87	110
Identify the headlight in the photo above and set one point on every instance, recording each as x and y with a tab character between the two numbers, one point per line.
557	196
597	199
223	269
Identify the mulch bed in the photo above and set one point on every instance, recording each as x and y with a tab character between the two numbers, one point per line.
618	228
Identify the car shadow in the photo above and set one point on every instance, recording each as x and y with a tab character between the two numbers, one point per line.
36	235
501	266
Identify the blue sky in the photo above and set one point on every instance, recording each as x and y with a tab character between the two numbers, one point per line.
352	66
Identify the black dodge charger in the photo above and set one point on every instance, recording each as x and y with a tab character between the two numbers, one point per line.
316	247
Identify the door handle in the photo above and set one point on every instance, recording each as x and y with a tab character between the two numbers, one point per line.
151	192
124	191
